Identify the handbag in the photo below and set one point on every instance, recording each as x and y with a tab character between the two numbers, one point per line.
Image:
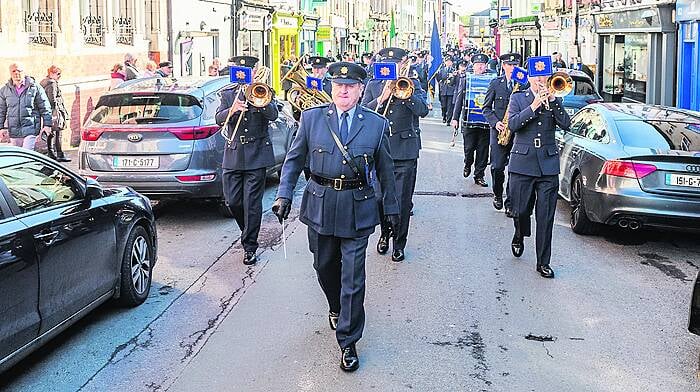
58	120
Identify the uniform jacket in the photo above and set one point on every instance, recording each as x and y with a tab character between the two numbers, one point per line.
251	148
528	126
24	113
327	86
403	134
422	70
495	104
447	81
460	99
348	213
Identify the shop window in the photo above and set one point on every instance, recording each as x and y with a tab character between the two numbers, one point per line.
123	22
92	21
636	63
152	16
41	21
613	67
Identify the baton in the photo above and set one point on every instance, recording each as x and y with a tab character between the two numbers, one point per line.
284	241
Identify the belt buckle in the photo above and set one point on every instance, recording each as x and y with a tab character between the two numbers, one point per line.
337	184
242	139
538	142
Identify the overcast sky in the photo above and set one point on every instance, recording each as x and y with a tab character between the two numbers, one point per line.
471	6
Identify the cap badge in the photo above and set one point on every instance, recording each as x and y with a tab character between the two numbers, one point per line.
318	61
344	70
243	61
391	53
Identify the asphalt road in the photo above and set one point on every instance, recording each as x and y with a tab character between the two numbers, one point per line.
460	314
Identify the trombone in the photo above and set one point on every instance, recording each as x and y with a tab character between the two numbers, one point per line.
258	94
402	87
559	85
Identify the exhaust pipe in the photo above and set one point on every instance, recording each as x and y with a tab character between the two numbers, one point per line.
623	223
634	224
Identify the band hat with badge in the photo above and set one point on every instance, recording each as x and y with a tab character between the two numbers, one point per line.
244	61
392	54
344	72
480	58
319	61
511	58
165	64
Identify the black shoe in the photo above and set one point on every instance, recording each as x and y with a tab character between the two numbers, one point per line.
467	171
333	320
398	255
481	182
383	245
517	246
498	203
349	361
63	159
545	271
250	258
509	212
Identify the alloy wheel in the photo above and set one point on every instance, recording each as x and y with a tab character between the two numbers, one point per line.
140	265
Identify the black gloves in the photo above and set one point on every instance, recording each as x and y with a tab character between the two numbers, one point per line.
394	221
281	208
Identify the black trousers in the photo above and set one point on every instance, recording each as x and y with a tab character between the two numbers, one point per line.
53	144
476	143
340	268
405	177
243	191
541	193
498	176
446	105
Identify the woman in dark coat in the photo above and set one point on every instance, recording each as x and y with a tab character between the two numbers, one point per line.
60	114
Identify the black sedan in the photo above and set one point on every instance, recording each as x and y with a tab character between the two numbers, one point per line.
631	165
66	246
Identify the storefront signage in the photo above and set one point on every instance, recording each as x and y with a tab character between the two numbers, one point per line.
505	13
687	10
252	21
309	24
536	8
636	20
285	22
323	33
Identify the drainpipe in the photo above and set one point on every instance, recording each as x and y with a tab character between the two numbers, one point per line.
171	39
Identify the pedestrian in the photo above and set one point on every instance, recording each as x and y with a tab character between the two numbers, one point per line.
557	61
225	70
117	76
21	100
213	70
475	129
579	66
495	105
447	82
346	144
59	114
165	69
493	62
533	116
247	155
319	70
404	144
130	69
150	69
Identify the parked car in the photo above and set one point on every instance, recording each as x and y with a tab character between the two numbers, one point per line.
66	246
631	165
160	137
694	316
582	94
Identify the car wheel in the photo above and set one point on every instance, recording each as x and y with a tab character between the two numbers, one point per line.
579	222
224	209
137	268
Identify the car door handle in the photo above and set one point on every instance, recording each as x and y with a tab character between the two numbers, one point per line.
47	237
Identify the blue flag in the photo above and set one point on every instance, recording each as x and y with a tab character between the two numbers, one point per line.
519	75
385	71
241	74
435	53
539	66
314	83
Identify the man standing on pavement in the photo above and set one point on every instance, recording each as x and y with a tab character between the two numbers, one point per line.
247	155
447	81
497	98
130	67
20	99
475	133
165	69
346	144
404	144
319	69
533	116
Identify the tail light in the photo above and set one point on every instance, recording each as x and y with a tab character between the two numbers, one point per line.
194	133
198	178
627	169
90	134
594	100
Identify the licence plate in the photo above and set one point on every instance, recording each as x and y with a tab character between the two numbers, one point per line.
570	111
131	162
683	180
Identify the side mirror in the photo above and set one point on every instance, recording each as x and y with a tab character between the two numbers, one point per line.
93	190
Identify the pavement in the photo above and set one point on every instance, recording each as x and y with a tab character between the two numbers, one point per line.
459	314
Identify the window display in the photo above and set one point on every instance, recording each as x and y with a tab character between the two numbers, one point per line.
636	67
613	65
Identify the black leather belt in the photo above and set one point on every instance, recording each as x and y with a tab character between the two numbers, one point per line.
337	183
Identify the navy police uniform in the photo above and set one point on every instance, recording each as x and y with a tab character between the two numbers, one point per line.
339	205
495	104
533	171
447	83
404	142
246	160
476	135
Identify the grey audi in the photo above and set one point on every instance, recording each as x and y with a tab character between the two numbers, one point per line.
631	165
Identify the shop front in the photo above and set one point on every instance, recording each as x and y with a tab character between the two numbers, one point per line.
525	36
285	44
253	38
688	18
308	35
323	40
637	52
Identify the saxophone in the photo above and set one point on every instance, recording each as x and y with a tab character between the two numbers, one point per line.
504	135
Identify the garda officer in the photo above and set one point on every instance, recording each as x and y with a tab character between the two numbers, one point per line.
404	143
347	147
447	82
476	135
422	70
497	98
246	158
319	69
533	171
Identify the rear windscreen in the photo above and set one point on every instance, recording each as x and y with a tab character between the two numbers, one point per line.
583	87
660	134
146	108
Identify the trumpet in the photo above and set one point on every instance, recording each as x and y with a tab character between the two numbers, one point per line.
258	94
402	87
559	85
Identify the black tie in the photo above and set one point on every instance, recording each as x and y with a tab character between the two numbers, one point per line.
344	127
510	85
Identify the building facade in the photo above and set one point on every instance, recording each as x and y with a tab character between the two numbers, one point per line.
688	18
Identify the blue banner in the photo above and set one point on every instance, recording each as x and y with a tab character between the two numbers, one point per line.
385	71
314	83
241	74
519	75
436	54
539	66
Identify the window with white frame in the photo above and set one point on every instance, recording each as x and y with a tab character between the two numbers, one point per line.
152	16
41	21
92	21
123	22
